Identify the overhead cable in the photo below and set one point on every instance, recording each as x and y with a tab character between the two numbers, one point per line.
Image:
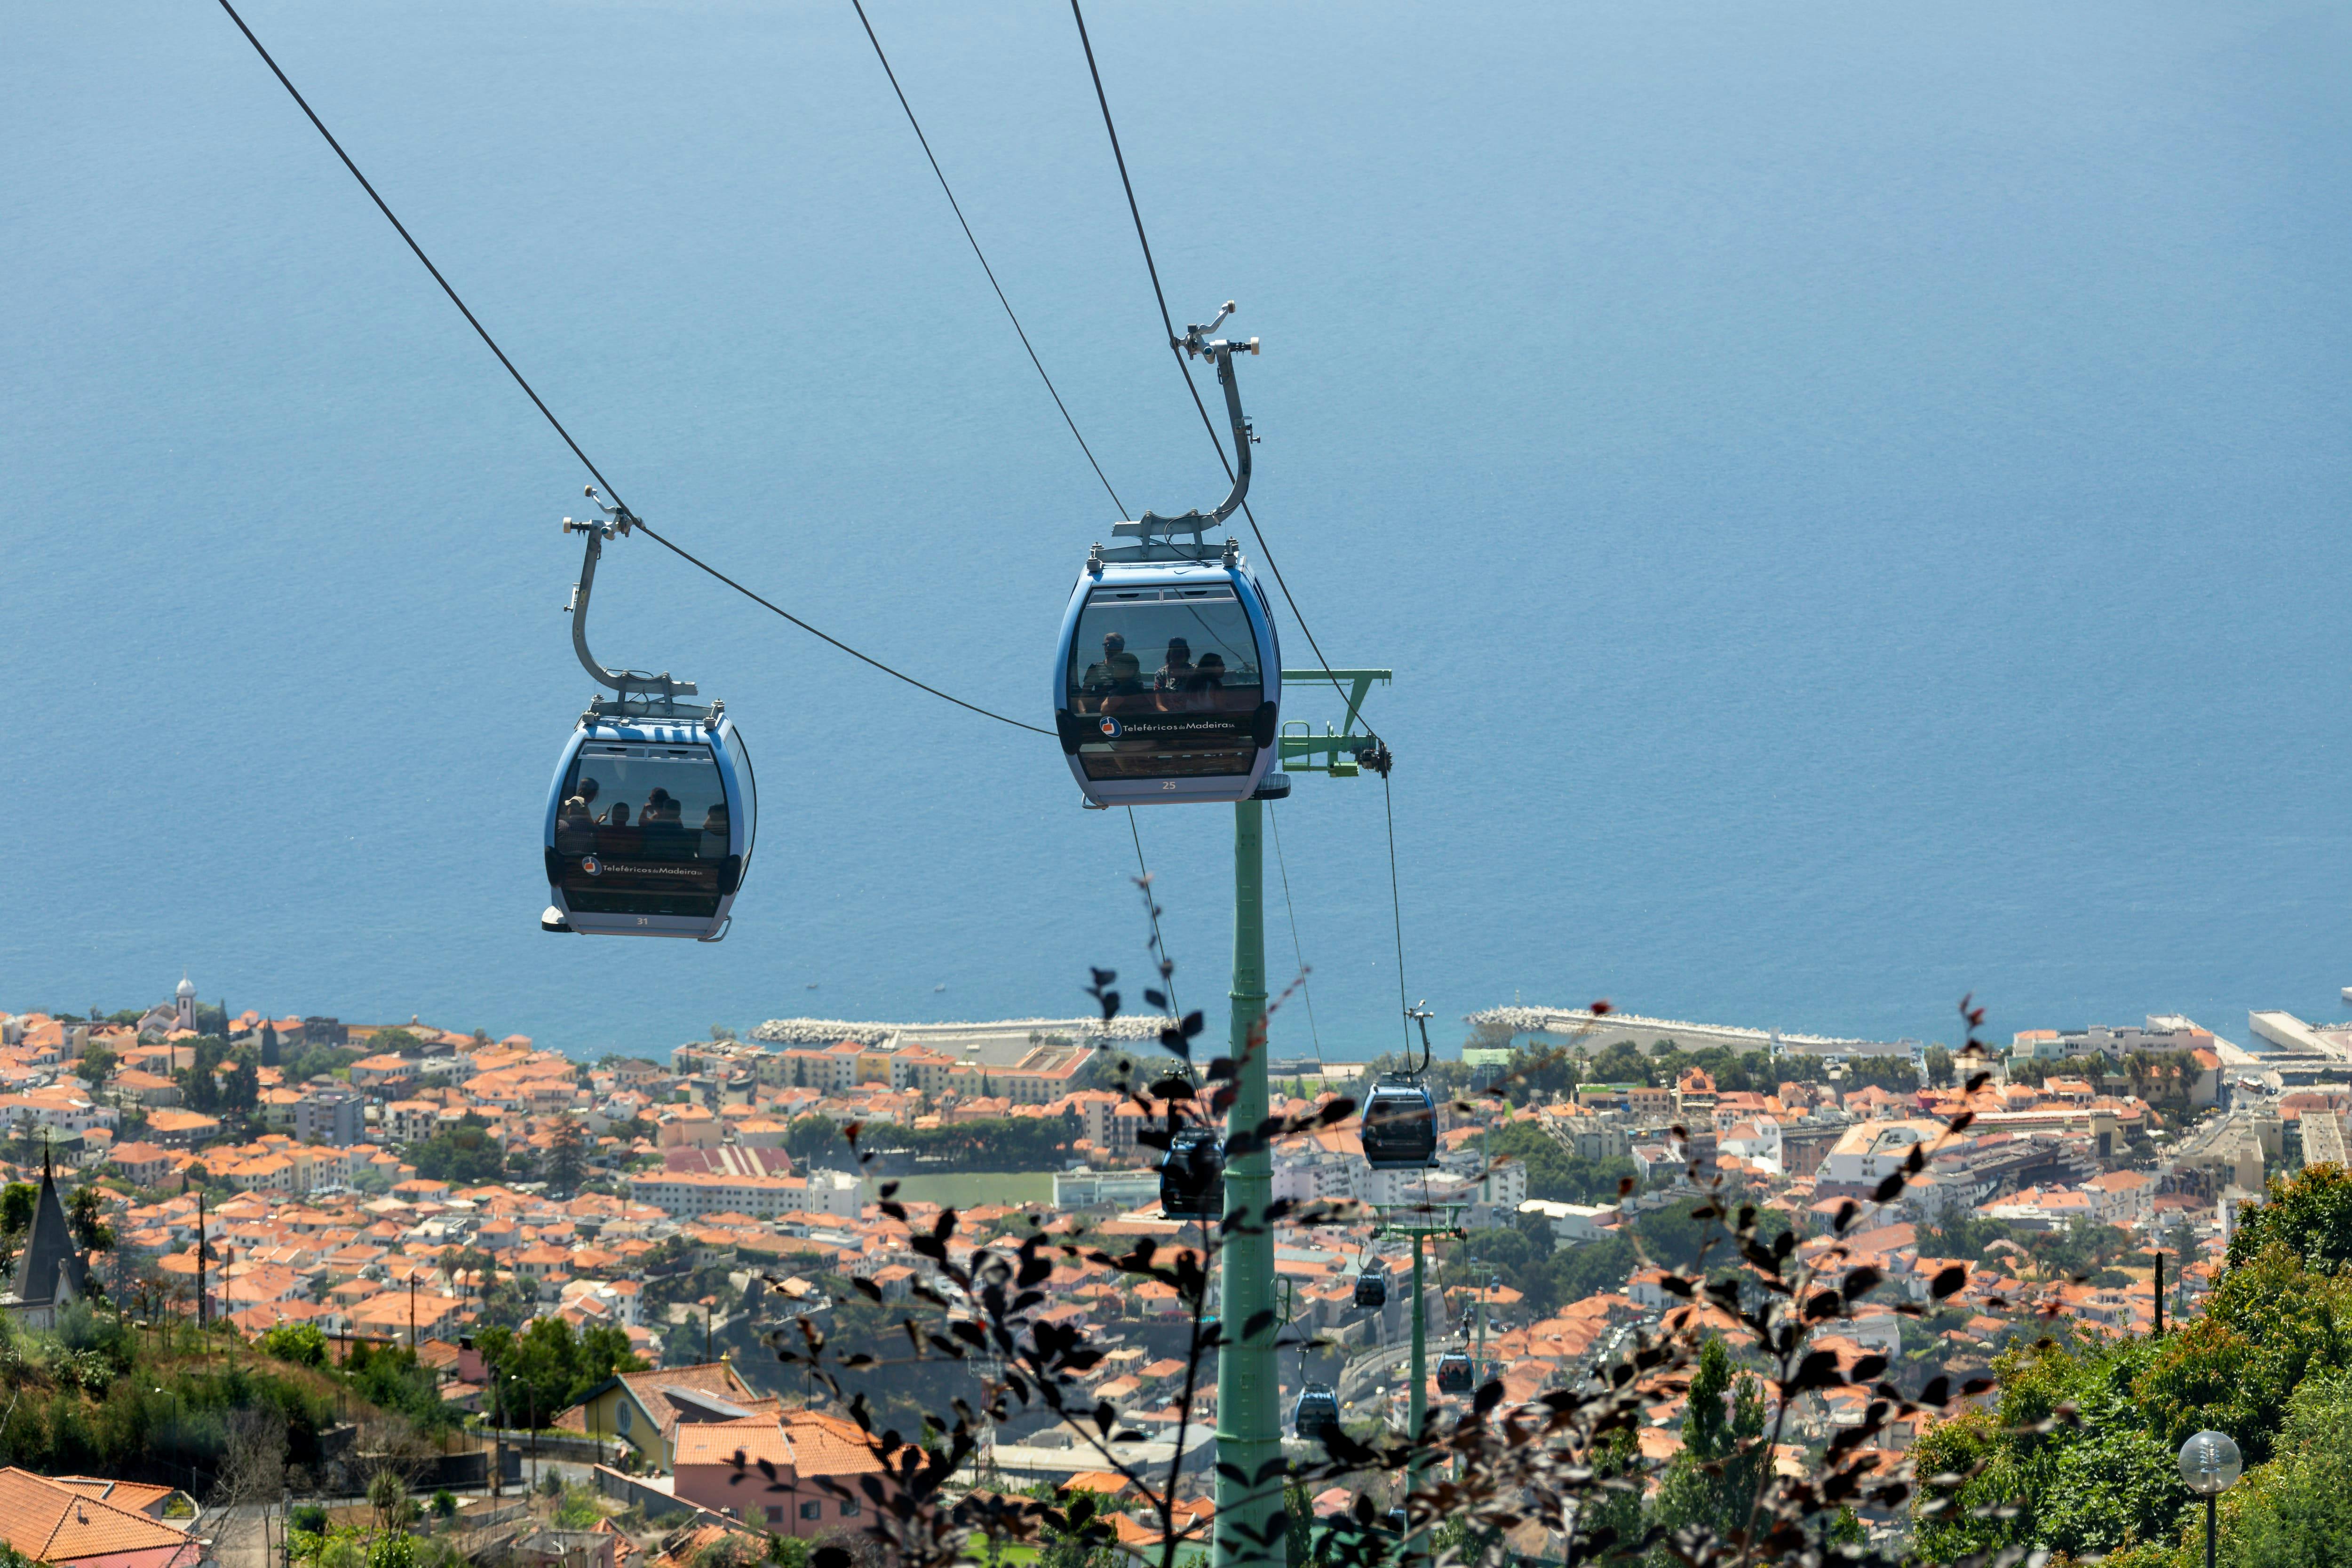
1176	346
1151	903
1298	951
975	243
537	402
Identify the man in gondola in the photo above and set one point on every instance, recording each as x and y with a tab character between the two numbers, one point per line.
1120	675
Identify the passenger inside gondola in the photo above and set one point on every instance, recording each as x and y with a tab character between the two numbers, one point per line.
1175	675
575	830
657	826
1120	672
665	838
617	837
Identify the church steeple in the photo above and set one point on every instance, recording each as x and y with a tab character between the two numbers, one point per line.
187	996
52	1270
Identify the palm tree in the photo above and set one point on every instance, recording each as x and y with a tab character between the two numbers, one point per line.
388	1495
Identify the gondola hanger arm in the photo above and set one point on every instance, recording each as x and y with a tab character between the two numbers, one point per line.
619	521
1220	352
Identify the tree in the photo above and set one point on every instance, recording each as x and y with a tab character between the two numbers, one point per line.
546	1368
240	1086
463	1156
564	1165
1939	1067
809	1137
268	1044
387	1494
17	1201
303	1345
2310	1212
1554	1174
1711	1484
96	1064
86	1216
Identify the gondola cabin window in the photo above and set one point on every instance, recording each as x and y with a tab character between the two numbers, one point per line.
643	830
1165	682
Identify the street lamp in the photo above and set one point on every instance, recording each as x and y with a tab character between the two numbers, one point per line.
2209	1465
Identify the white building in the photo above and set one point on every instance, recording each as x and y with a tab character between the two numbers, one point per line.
1758	1140
1573	1222
1869	1152
1084	1188
683	1195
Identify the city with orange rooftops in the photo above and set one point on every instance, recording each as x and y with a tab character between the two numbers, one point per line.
528	1239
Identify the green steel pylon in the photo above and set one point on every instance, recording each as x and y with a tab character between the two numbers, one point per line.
1416	1545
1250	1473
1249	1399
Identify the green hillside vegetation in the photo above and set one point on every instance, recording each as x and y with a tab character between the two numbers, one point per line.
2078	1455
102	1397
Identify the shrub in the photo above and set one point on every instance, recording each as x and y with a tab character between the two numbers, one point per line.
302	1345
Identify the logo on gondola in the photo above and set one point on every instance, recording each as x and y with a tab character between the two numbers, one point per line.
1110	727
591	867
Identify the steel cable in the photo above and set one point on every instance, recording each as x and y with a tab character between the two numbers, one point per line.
1176	347
976	252
1298	951
557	424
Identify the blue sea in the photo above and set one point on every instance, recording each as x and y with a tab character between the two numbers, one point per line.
1854	495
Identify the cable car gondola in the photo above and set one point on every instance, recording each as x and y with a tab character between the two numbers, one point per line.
1372	1288
1399	1130
1400	1126
1317	1415
1168	678
1453	1373
1193	1177
653	811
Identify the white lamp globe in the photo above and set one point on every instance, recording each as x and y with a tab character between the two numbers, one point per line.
2209	1464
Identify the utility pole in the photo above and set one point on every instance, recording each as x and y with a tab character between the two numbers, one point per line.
1250	1469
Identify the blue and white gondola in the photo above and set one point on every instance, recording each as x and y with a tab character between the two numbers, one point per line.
654	810
1167	673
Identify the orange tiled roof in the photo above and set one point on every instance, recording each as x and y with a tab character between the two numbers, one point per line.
748	1442
51	1522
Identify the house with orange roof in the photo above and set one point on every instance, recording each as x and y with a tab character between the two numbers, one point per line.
143	1163
147	1088
792	1472
647	1410
181	1129
92	1523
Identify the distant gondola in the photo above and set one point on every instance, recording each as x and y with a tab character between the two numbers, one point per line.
1316	1417
1193	1177
1453	1373
1372	1288
1400	1126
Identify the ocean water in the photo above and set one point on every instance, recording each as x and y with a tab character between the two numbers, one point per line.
1854	497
